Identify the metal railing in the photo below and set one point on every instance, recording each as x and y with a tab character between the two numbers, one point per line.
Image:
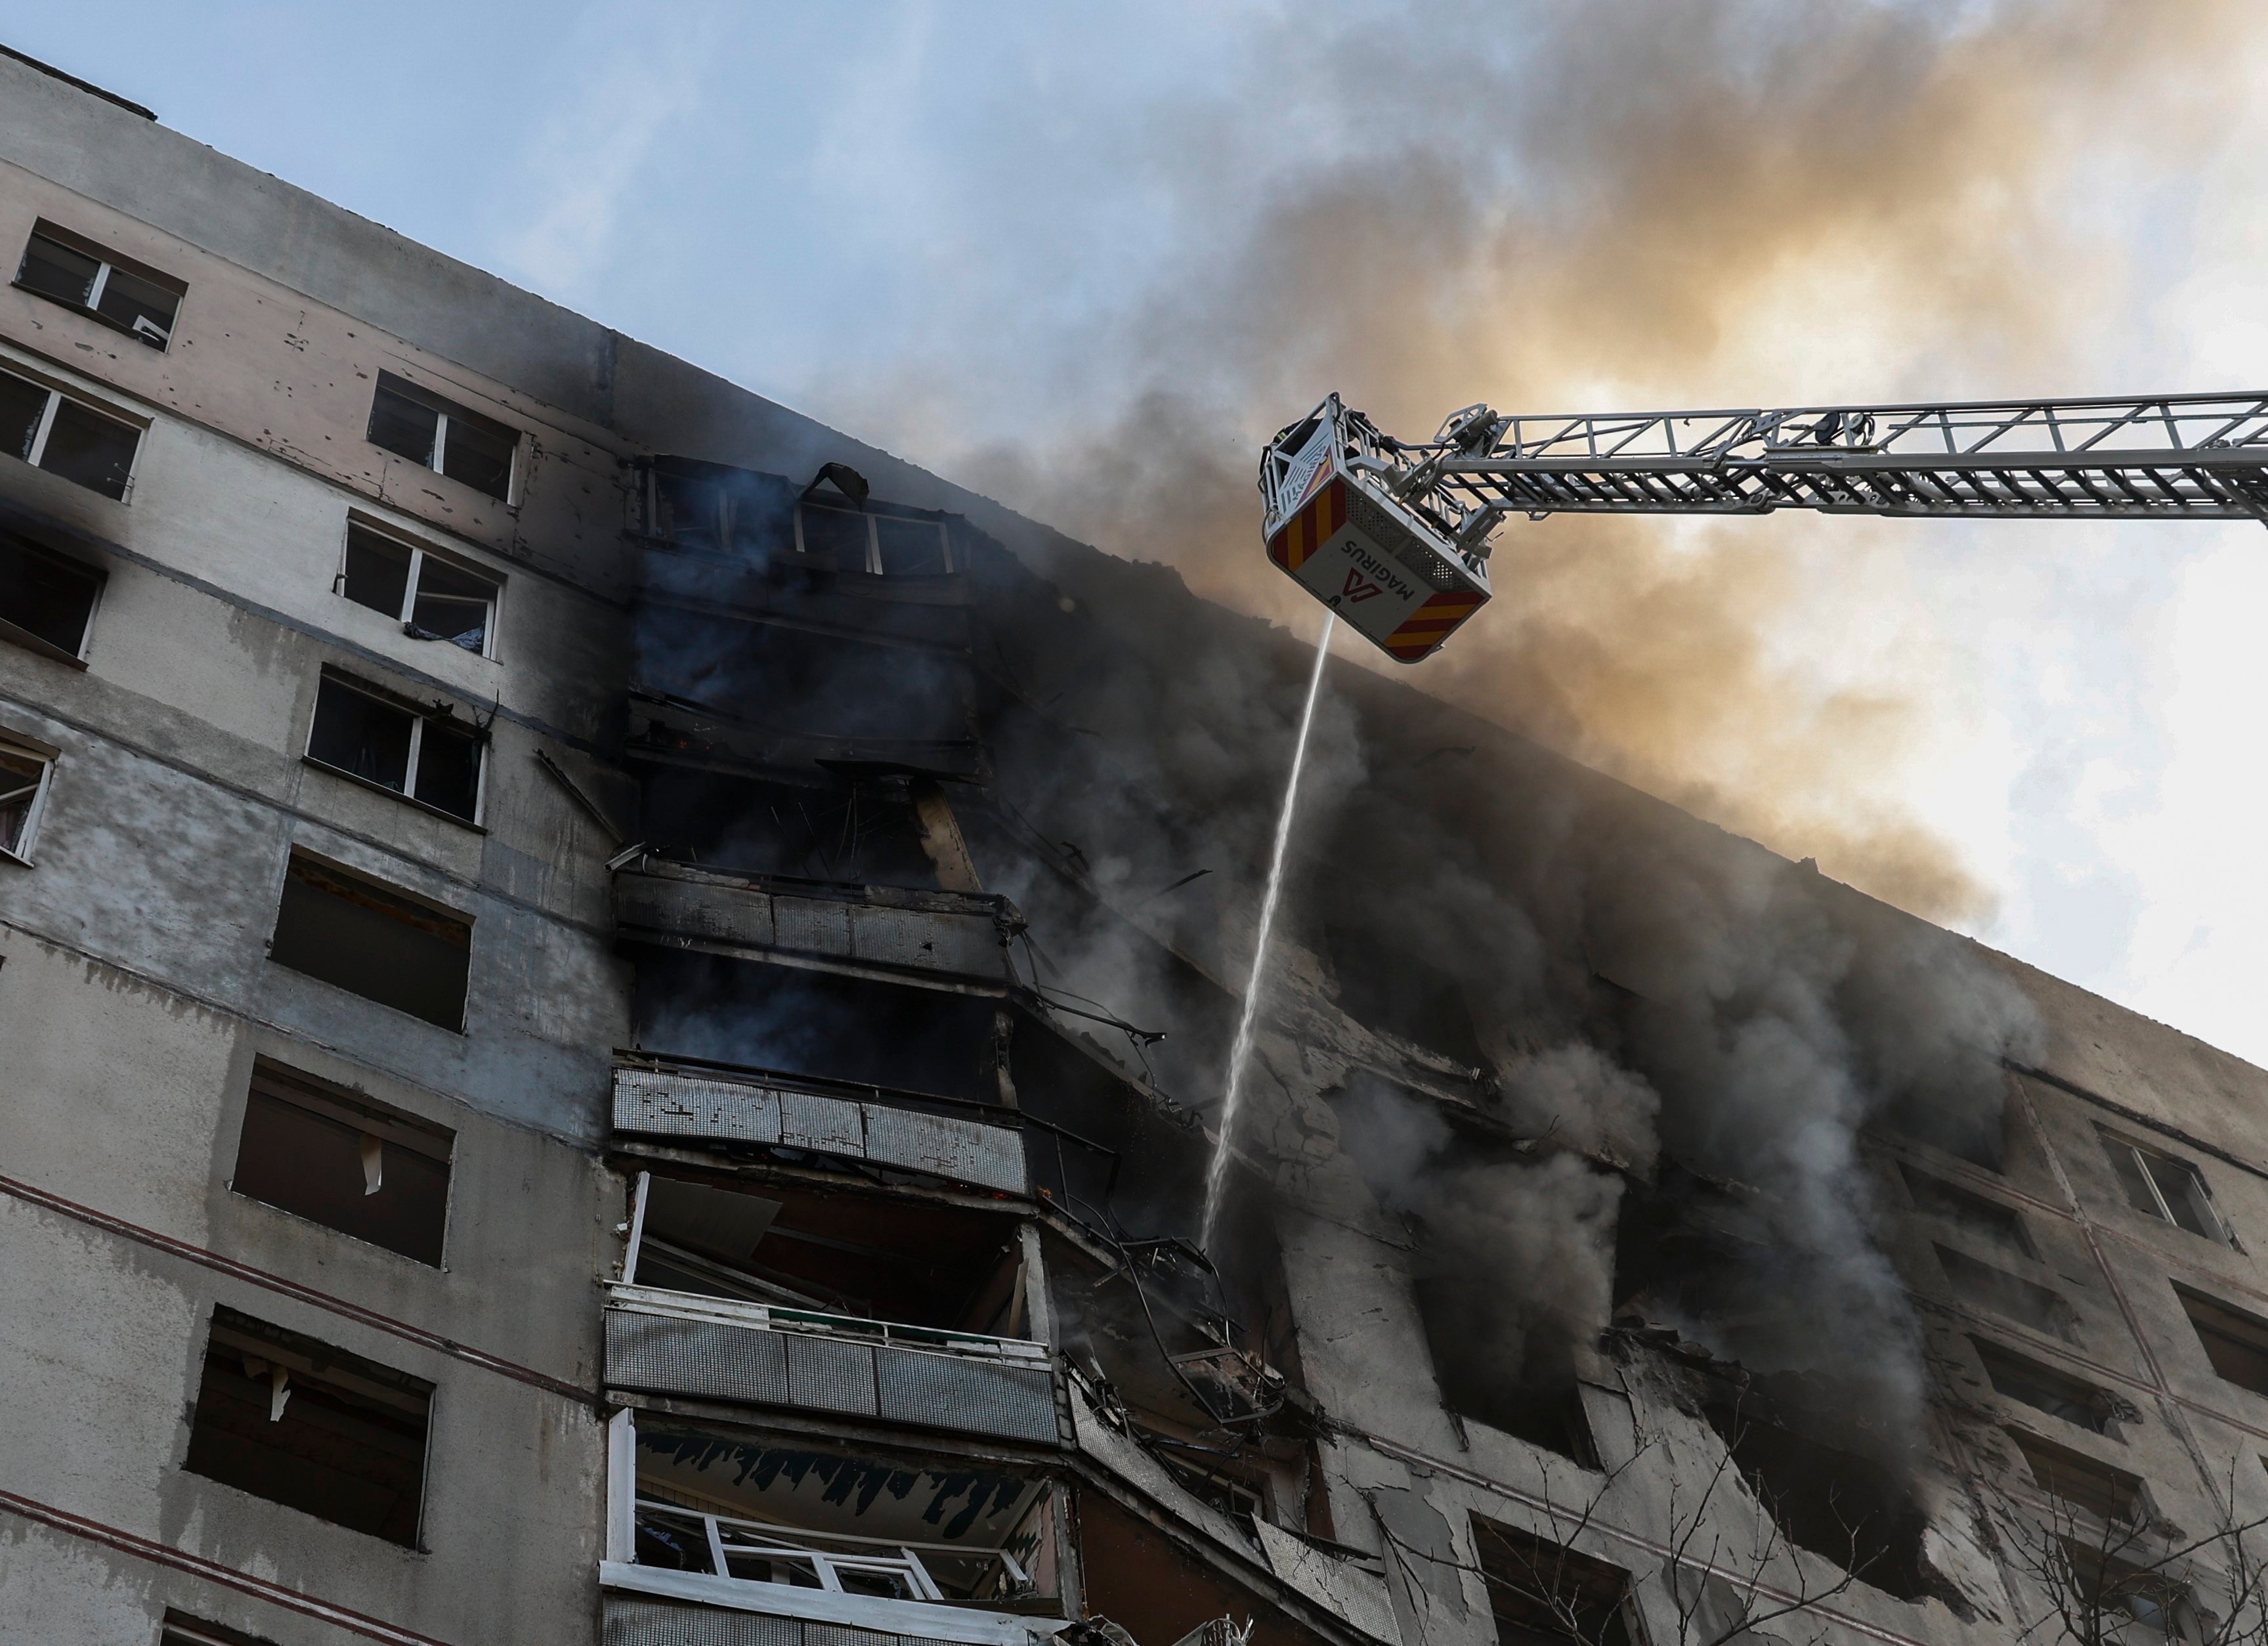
753	1550
756	1317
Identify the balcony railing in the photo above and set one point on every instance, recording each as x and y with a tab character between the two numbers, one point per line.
676	1343
665	1101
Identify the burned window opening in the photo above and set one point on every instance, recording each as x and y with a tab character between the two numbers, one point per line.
1994	1291
46	600
295	1421
1544	1594
1972	1214
337	1158
767	684
2111	1496
1842	1507
1383	986
1976	1133
850	832
366	937
82	276
2045	1389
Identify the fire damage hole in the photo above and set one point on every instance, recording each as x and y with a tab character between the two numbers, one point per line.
338	1159
888	1527
313	1427
874	1257
1148	1587
1383	986
864	831
1543	1594
793	1022
373	939
1842	1507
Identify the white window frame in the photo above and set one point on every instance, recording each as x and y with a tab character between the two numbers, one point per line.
48	756
417	719
418	555
56	395
873	534
437	456
104	265
2143	1155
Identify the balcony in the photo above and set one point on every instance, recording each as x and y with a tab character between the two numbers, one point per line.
750	1354
672	731
947	939
673	1103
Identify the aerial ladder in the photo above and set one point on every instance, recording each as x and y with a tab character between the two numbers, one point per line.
1394	535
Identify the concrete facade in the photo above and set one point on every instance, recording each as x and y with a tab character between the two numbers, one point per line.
854	945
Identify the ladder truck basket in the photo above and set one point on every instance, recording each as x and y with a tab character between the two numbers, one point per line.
1336	526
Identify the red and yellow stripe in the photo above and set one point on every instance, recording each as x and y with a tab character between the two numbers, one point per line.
1310	529
1430	625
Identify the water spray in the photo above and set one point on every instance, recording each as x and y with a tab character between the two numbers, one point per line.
1240	1051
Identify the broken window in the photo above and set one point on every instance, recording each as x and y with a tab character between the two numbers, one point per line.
26	764
340	1160
1974	1130
46	600
2111	1496
434	599
1383	986
2122	1594
2164	1187
2236	1342
137	300
1997	1292
877	544
1848	1509
862	831
364	936
2044	1389
66	436
425	753
313	1427
1966	1210
1543	1594
416	423
885	1527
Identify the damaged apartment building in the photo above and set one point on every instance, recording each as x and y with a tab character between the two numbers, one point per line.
615	1007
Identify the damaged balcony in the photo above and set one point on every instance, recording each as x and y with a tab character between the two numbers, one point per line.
806	1299
735	1539
947	939
673	730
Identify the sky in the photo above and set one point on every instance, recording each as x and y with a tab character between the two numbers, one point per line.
1086	258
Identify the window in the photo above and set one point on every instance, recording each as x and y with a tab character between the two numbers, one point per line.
367	732
2044	1389
337	1159
1543	1595
24	764
434	599
1847	1507
47	600
2110	1494
882	545
2120	1592
1972	1214
1997	1292
2161	1186
374	940
442	435
50	430
2236	1343
184	1630
138	301
300	1423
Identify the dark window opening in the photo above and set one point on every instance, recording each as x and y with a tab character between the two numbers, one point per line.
422	426
313	1427
181	1629
365	937
2044	1389
138	301
1842	1507
2161	1186
1475	1359
427	756
1997	1292
1972	1214
1974	1130
1385	986
431	598
341	1160
863	832
2236	1342
45	596
66	437
2111	1496
1543	1594
2121	1591
838	1253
